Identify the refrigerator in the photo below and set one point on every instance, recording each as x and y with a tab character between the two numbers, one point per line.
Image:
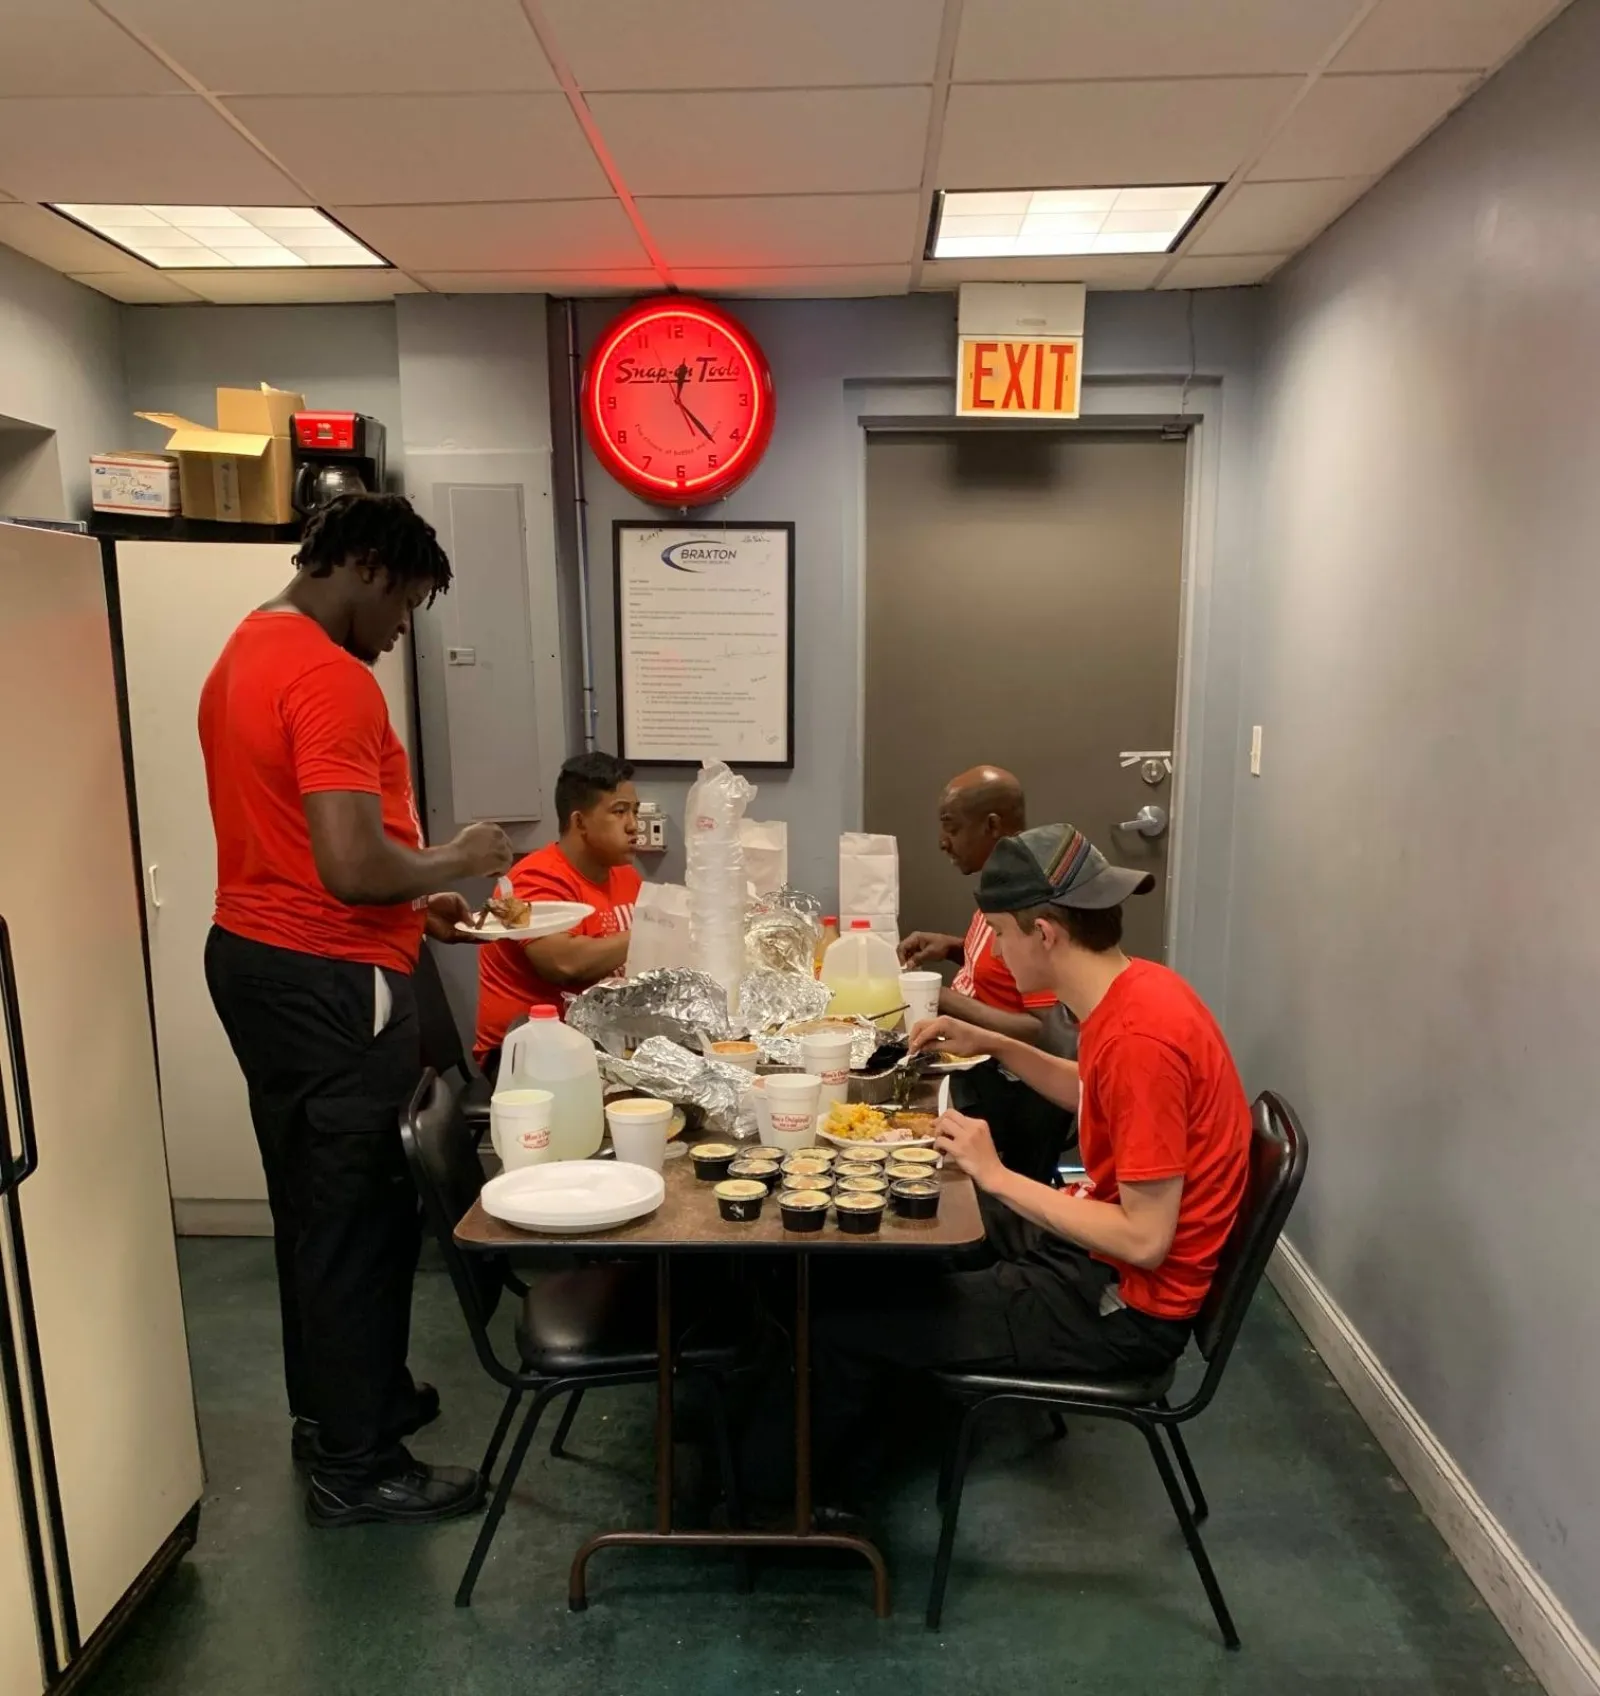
100	1471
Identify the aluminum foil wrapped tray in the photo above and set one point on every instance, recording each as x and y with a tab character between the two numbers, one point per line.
781	932
682	1006
782	1047
667	1070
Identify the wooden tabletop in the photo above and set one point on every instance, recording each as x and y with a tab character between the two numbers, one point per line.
688	1220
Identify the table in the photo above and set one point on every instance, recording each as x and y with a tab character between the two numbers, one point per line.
687	1222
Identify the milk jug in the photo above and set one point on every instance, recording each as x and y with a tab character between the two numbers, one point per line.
863	972
546	1054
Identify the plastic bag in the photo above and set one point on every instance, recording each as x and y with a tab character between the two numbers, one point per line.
660	939
715	875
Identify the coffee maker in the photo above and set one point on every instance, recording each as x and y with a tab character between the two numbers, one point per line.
335	453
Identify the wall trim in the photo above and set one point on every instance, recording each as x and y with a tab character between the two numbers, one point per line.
1564	1660
192	1218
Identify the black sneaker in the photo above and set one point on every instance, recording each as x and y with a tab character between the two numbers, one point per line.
425	1409
422	1495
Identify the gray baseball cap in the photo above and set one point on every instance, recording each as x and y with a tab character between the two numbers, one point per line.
1054	865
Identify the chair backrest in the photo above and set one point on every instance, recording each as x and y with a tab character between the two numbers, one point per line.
441	1151
442	1047
1277	1167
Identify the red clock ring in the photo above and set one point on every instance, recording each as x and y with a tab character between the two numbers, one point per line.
708	486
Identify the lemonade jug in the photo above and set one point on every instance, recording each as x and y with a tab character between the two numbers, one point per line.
863	972
547	1054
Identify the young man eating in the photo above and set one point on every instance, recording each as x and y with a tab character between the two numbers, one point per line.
1104	1278
591	862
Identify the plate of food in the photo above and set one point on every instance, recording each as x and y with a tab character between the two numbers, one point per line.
940	1062
506	918
850	1124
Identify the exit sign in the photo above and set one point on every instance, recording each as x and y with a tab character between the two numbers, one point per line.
1006	377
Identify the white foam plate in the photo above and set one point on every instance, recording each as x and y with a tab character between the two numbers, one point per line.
565	1197
550	918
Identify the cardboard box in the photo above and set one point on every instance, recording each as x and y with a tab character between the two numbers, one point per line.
240	472
142	483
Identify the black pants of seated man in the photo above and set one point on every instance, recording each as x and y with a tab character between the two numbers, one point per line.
326	1093
1036	1308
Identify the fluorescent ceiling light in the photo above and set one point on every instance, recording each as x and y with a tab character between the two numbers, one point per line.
1043	223
225	238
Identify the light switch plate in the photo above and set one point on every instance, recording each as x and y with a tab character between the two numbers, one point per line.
1255	750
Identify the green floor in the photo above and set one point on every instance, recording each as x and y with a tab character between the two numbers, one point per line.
1069	1576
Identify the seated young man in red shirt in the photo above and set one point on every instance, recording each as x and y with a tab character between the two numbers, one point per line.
592	862
1104	1278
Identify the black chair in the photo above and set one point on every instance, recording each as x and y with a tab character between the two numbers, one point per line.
1277	1166
440	1037
584	1327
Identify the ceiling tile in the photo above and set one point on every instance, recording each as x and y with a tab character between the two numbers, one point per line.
352	47
144	287
826	229
1033	40
1443	35
812	141
67	47
265	288
57	242
612	44
1274	217
520	236
554	282
1359	126
808	281
1089	135
1099	271
391	149
165	150
1223	273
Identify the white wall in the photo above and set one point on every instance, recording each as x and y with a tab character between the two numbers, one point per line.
1416	952
61	369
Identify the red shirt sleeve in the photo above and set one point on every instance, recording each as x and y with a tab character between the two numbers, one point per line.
1142	1087
1040	1002
336	718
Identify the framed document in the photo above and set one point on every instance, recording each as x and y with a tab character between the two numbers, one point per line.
705	643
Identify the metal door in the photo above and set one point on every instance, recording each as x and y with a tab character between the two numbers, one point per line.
1022	609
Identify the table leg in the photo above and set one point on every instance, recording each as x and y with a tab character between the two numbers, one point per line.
804	1535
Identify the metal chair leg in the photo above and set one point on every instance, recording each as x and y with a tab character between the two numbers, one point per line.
952	1510
558	1443
1191	1534
1197	1497
731	1495
491	1523
498	1435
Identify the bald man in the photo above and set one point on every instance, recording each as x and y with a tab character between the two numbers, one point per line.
979	808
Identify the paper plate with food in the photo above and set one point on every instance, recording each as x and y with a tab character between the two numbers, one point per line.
848	1125
506	918
940	1061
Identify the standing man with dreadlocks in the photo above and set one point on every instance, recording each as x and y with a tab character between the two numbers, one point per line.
324	892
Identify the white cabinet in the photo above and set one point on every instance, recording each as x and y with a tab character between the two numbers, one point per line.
180	603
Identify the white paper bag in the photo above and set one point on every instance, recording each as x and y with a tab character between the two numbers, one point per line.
766	854
869	877
660	939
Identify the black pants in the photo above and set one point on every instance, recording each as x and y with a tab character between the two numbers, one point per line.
325	1098
1035	1309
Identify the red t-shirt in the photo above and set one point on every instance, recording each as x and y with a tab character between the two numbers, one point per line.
286	712
987	978
1161	1099
507	983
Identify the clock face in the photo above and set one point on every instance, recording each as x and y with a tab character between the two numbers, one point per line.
678	402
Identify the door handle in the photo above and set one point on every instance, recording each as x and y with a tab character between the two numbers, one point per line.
12	1169
153	878
1148	822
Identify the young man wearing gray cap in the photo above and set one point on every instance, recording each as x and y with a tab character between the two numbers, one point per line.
1104	1277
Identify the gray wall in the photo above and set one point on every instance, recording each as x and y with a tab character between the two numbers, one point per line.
835	360
1416	957
336	356
61	369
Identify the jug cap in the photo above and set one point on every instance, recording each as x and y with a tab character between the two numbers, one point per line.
543	1011
861	924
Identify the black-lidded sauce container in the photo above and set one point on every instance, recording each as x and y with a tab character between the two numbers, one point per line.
739	1199
803	1210
915	1198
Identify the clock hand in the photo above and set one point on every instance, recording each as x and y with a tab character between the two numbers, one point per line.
681	376
696	422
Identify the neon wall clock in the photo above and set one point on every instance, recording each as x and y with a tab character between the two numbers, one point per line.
678	402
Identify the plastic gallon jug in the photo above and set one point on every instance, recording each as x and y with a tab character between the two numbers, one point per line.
863	972
546	1054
